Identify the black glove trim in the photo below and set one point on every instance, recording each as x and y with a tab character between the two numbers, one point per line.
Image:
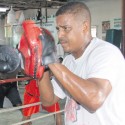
46	68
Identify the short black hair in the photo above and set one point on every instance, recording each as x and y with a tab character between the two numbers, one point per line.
72	8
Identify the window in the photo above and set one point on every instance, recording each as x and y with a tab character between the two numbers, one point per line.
94	31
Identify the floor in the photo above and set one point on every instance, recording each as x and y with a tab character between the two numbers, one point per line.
13	117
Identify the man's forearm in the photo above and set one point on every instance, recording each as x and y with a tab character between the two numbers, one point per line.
90	93
46	90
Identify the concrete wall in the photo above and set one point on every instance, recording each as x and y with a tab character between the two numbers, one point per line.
2	38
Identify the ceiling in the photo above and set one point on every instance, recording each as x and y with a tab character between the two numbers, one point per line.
30	4
35	4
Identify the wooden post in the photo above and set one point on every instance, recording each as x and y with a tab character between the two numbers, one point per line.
123	28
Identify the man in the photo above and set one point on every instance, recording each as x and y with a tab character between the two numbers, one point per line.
10	91
9	62
91	77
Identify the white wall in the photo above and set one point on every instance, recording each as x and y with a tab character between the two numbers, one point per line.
104	10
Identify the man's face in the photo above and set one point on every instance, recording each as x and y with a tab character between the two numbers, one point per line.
70	33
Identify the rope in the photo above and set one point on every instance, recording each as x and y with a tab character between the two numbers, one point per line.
15	79
33	119
25	106
19	107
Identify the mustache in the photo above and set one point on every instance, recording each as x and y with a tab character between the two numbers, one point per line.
62	40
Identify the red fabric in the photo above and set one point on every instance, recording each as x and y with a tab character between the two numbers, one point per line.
32	95
52	108
31	48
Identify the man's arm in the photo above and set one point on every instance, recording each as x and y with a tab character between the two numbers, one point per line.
90	93
46	90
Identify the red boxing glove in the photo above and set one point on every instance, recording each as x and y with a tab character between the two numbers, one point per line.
30	47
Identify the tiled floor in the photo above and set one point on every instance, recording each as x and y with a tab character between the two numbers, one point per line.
10	118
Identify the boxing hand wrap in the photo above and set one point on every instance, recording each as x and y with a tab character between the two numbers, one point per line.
30	47
9	62
49	49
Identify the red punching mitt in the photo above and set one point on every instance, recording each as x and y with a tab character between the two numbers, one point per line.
30	47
